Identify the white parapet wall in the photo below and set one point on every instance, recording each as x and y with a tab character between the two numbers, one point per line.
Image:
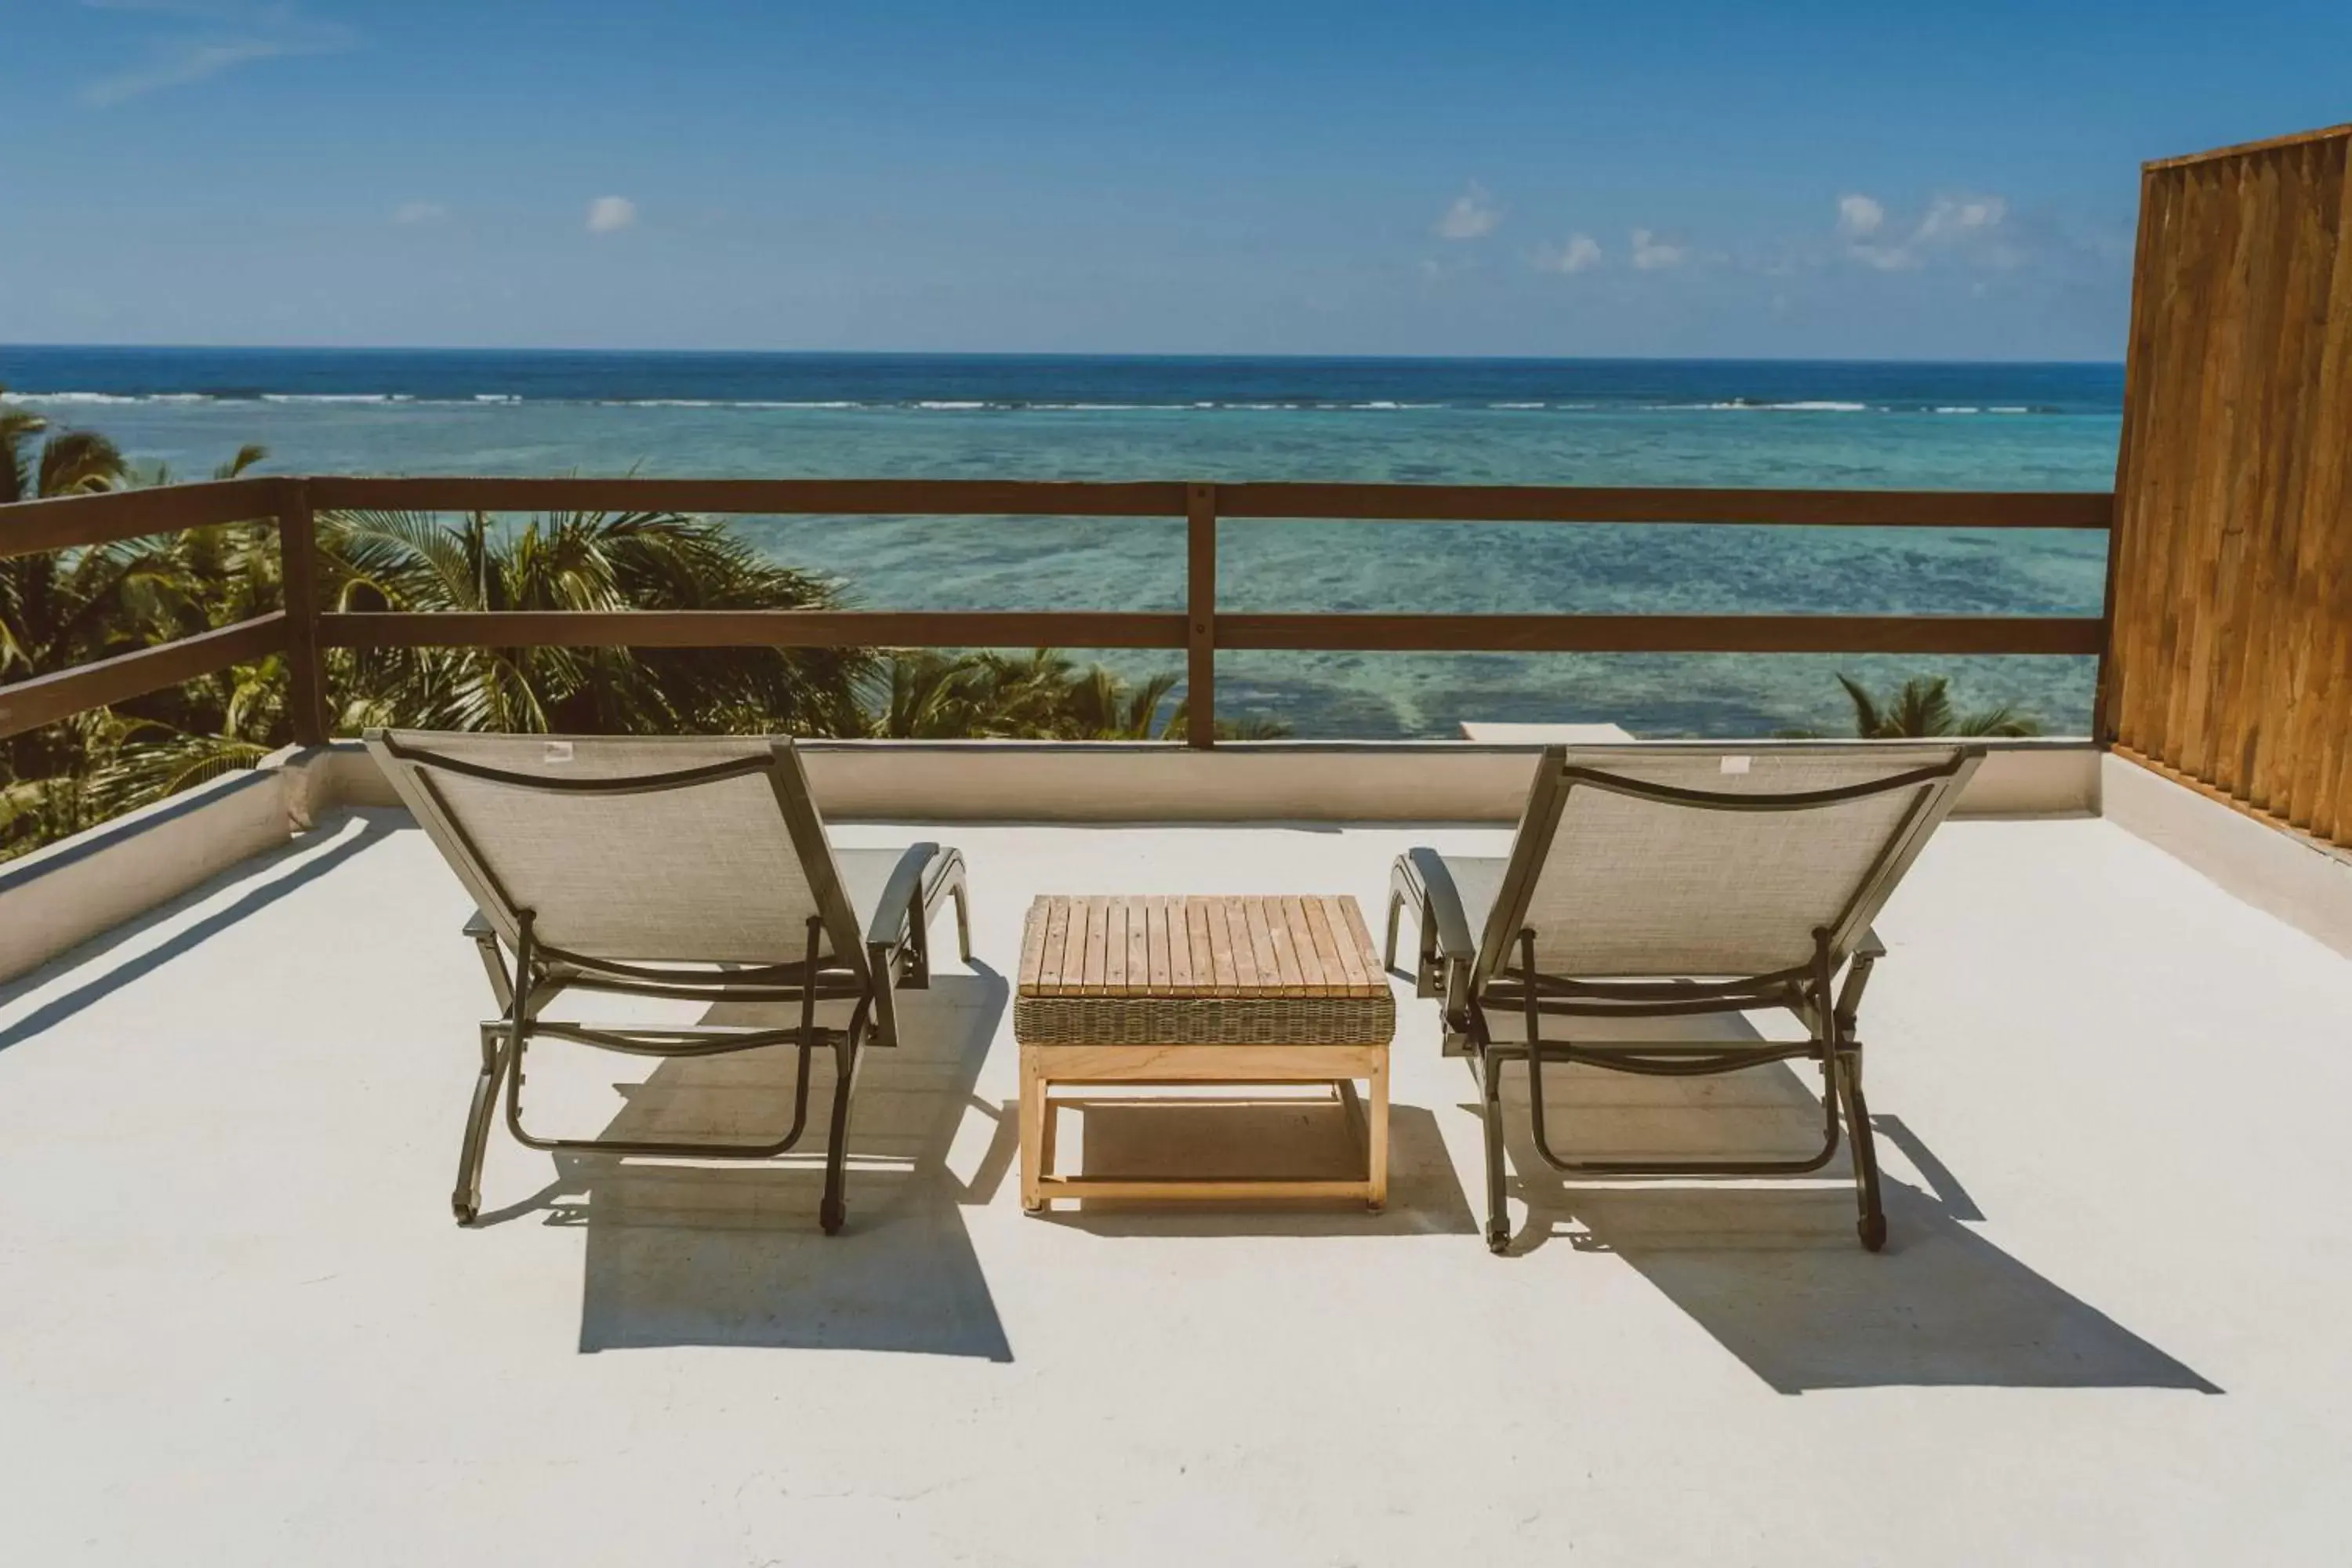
1257	780
2302	881
56	899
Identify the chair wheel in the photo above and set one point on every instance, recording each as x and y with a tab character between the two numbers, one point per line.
1873	1231
1498	1240
831	1214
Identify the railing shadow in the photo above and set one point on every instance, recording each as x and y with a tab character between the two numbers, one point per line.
1773	1271
263	880
719	1254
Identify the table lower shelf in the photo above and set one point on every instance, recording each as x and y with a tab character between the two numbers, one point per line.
1045	1068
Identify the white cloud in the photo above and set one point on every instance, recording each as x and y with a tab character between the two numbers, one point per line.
1963	227
1957	218
1473	214
609	215
1580	254
419	212
1859	217
1651	254
214	36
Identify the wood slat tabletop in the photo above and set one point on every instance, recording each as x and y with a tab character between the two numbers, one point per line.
1294	946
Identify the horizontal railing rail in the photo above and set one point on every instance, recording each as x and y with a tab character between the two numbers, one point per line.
1262	500
75	522
50	699
306	626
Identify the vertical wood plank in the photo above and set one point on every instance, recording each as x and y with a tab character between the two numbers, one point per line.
1139	945
1073	950
1342	963
1115	949
1224	976
298	552
1097	944
1180	946
1201	615
1248	949
1270	946
1307	961
1376	973
1032	945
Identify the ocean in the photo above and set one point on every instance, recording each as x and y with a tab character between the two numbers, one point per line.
1589	422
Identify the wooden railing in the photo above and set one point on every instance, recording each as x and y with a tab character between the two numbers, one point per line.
304	628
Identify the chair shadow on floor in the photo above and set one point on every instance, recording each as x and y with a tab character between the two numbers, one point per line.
1773	1271
1306	1137
730	1254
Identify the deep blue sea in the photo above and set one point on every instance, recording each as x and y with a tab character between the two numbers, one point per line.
1598	422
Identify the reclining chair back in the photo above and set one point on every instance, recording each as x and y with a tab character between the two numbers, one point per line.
628	849
1663	862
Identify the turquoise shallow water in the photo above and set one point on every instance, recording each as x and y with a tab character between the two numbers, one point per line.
1870	425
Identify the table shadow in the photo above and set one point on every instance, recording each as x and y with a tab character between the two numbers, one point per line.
1300	1139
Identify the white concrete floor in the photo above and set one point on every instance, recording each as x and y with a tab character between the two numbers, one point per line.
238	1324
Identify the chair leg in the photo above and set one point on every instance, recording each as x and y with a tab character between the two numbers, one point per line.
835	1208
1396	912
1490	1087
963	923
1037	1117
1871	1224
466	1202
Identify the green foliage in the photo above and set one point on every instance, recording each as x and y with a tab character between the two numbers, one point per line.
577	561
1923	708
66	462
1040	695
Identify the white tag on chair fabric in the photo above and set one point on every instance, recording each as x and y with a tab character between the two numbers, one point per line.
558	752
1735	764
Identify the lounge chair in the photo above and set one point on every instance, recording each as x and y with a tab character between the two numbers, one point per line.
1668	882
683	869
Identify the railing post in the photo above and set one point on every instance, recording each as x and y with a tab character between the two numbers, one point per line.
1201	615
306	695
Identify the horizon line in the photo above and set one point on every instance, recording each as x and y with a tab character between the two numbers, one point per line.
1038	355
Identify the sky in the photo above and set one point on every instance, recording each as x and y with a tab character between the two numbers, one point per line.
1791	179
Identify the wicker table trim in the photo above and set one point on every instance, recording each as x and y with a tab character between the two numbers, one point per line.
1204	1020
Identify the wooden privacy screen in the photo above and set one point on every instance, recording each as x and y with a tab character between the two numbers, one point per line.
2231	567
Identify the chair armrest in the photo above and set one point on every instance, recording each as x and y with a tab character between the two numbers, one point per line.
1450	948
900	905
485	938
1866	954
1454	939
902	897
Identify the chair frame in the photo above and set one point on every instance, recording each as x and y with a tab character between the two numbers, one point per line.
839	964
1498	970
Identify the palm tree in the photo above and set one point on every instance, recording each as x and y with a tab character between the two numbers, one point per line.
577	561
1923	707
1042	695
1102	707
68	462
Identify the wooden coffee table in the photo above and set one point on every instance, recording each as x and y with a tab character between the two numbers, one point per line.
1143	992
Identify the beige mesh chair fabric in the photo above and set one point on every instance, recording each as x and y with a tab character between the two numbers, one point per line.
704	873
1629	886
